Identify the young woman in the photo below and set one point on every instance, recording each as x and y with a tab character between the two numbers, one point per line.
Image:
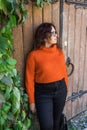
46	78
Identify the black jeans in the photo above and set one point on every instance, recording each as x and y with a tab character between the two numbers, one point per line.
50	100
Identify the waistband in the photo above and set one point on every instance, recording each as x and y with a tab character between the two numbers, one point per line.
52	86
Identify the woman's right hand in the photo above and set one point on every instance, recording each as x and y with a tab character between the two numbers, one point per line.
32	108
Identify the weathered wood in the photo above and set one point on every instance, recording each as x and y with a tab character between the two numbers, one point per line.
71	26
55	15
82	57
74	37
85	65
28	31
75	104
18	48
65	29
47	15
64	40
37	17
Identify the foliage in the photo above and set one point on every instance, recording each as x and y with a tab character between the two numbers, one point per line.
40	3
71	126
14	109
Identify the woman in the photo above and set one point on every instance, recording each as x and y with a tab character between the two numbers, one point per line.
46	78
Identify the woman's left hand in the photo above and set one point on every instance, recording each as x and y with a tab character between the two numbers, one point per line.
33	108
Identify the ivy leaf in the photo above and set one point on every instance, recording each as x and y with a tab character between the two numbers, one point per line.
12	22
3	6
1	76
7	80
3	30
18	126
3	44
28	123
42	3
24	16
2	120
14	72
11	61
6	107
25	97
11	1
2	98
3	117
0	55
16	93
7	93
38	3
2	86
10	116
9	67
23	115
15	100
16	80
8	128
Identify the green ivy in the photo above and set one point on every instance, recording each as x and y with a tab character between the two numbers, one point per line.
14	110
40	3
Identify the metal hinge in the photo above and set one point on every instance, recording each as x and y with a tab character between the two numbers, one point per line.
76	95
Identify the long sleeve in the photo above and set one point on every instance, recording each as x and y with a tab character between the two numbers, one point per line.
65	72
29	80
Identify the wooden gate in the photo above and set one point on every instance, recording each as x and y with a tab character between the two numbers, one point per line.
74	42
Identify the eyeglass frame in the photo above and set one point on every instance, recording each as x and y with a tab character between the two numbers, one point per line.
54	33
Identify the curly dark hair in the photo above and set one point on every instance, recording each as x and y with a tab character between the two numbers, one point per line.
42	32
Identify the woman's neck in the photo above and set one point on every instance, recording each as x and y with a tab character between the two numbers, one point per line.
49	45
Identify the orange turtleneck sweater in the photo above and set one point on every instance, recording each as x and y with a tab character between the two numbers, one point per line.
44	65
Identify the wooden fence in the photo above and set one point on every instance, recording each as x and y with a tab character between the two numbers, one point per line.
74	42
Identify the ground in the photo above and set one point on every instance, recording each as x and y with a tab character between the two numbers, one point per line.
79	122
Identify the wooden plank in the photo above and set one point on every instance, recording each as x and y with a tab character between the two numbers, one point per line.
65	29
18	47
71	26
64	40
47	17
85	66
37	17
75	104
55	15
81	58
28	31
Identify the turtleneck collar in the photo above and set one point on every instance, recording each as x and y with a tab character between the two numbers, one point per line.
51	48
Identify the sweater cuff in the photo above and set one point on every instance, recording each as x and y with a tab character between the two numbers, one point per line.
31	100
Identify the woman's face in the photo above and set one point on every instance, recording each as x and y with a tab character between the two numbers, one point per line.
53	39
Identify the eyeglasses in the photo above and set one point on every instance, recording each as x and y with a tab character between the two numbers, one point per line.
54	33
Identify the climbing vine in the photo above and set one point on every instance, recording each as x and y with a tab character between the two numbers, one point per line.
40	3
13	98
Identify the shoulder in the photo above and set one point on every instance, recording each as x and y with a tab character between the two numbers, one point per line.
32	54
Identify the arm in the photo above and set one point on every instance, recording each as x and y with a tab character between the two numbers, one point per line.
65	72
29	80
29	74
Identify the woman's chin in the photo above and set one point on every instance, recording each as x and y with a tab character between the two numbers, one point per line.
54	43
